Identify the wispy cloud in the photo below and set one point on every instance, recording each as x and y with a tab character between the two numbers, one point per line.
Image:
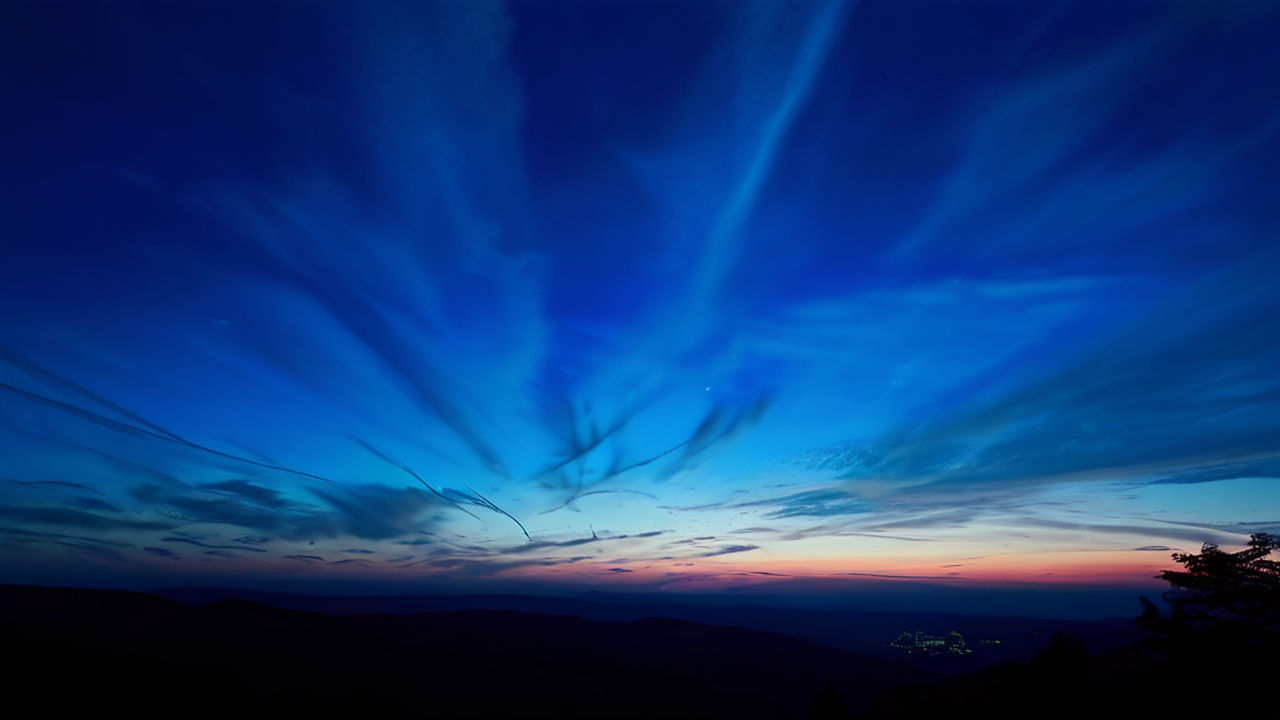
785	277
66	517
729	550
198	543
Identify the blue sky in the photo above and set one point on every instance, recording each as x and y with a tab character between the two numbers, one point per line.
637	295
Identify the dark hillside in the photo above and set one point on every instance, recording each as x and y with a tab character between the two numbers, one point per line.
92	650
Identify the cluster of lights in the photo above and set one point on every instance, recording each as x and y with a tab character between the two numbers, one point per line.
921	643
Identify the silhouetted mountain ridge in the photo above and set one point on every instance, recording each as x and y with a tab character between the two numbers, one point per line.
859	632
233	654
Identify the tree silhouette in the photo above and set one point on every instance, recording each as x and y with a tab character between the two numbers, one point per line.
1221	598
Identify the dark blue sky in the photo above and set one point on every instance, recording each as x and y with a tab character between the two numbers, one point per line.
698	295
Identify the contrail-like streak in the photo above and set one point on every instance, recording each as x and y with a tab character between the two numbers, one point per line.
477	499
50	377
383	456
813	52
576	496
135	430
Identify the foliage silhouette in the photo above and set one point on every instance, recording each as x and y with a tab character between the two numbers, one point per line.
1219	640
1221	598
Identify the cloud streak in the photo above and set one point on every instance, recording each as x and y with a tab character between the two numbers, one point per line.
515	295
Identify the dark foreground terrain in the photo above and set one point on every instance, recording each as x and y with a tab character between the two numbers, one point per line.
101	651
1065	681
93	651
991	639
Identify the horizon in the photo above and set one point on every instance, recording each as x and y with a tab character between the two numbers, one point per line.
828	303
1014	602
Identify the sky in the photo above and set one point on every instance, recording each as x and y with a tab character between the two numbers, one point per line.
777	299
